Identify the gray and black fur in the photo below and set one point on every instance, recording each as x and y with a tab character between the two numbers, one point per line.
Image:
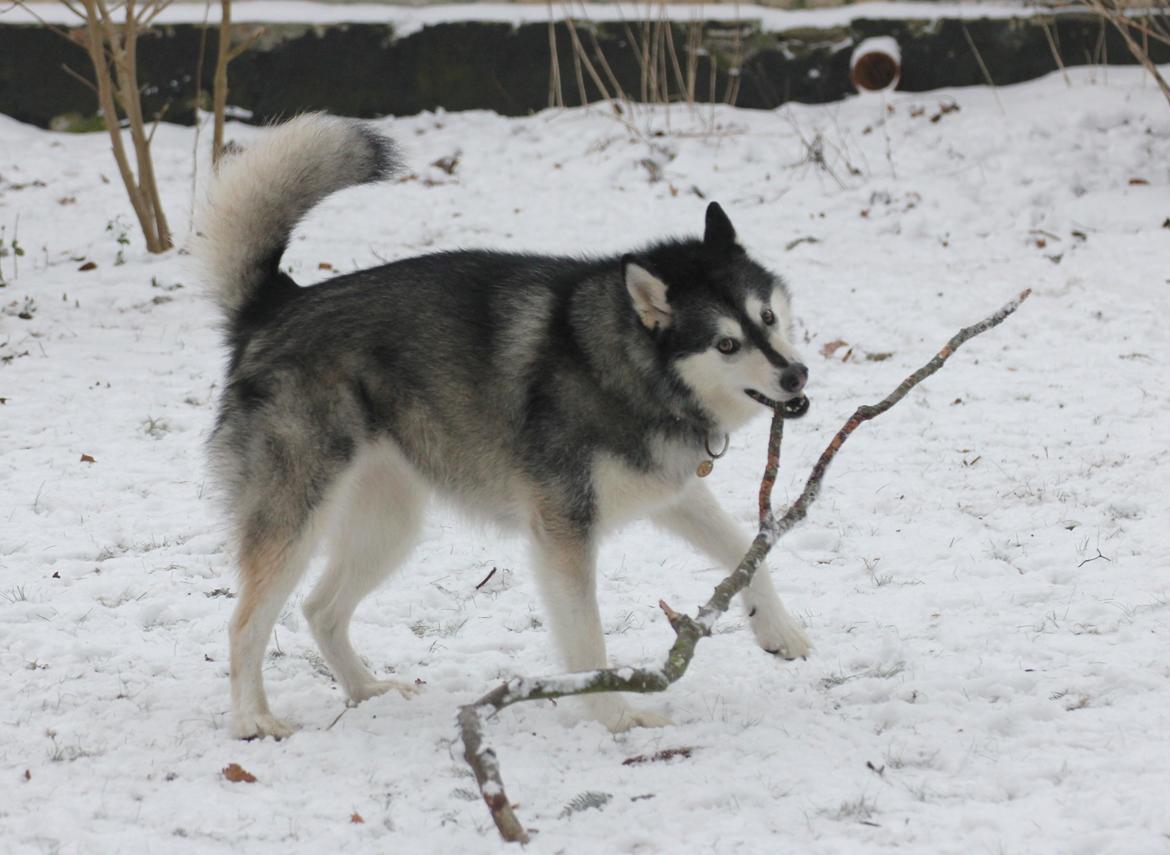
558	395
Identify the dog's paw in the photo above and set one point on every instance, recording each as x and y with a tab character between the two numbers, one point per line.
618	716
374	688
639	718
778	633
260	725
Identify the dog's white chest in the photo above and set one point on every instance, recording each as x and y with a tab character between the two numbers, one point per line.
625	493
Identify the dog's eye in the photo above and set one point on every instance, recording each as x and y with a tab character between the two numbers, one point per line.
768	318
727	346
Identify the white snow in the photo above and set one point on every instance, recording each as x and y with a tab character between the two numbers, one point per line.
984	576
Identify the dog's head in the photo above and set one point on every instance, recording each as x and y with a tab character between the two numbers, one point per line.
721	321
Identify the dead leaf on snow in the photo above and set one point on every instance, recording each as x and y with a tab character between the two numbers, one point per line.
448	164
829	348
237	774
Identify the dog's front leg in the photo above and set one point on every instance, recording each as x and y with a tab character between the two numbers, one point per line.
567	575
699	520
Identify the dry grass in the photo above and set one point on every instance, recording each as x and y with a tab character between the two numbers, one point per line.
670	57
1150	25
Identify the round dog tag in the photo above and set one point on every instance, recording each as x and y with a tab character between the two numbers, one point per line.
705	468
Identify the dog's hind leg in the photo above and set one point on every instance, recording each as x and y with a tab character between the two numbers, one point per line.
567	577
271	564
376	526
698	519
284	468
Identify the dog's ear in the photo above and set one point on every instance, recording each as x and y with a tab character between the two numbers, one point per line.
719	236
647	293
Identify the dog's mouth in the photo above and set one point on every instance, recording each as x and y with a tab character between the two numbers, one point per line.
791	409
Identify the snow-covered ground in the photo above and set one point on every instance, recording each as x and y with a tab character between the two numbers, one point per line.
986	576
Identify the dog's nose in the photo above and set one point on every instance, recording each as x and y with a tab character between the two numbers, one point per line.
793	378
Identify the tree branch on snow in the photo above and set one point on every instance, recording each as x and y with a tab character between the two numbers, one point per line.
688	631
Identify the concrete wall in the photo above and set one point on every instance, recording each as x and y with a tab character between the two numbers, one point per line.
368	70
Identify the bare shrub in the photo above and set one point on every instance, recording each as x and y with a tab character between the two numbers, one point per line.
1139	26
109	34
669	55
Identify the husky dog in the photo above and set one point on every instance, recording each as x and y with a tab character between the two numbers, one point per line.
560	396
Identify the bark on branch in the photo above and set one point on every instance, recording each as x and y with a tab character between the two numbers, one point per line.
688	631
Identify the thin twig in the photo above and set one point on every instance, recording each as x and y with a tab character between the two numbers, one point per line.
1045	25
150	11
198	107
344	710
1144	29
556	95
65	34
79	78
688	631
1122	24
162	114
579	50
248	43
983	68
605	66
1096	557
582	95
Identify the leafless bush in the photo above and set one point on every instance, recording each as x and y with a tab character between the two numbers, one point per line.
109	34
669	56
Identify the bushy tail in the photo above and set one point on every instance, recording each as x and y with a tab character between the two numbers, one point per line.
258	196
